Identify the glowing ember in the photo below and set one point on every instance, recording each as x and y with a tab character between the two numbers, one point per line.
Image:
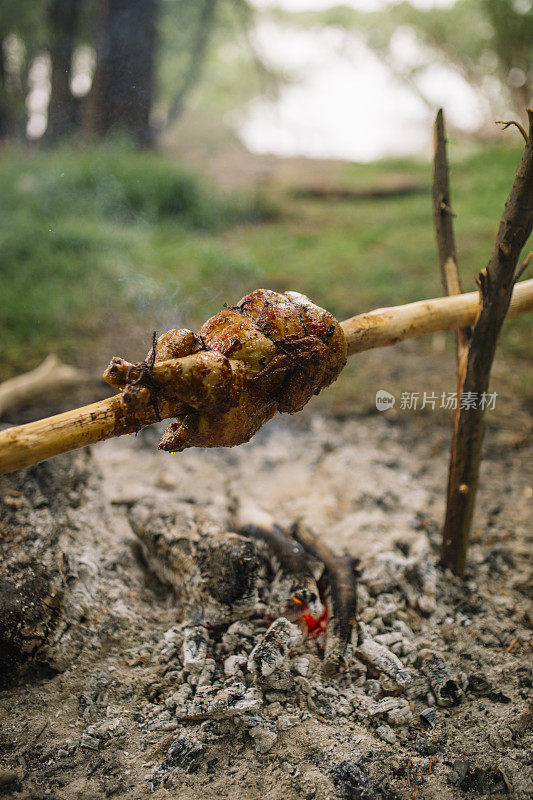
314	625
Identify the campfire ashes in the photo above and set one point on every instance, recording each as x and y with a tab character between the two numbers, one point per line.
171	648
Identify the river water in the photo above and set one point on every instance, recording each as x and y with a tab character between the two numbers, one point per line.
342	101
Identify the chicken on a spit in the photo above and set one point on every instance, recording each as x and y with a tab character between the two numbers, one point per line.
271	352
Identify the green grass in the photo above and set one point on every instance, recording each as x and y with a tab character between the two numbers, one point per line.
354	256
91	238
86	236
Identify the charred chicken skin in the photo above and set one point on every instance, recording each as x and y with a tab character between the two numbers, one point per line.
271	352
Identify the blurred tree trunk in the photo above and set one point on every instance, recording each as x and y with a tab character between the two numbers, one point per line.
122	92
62	109
4	108
13	88
198	54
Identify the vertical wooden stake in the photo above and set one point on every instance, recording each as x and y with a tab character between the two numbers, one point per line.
447	255
495	283
443	218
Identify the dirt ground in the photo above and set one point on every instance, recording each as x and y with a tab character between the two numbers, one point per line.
99	697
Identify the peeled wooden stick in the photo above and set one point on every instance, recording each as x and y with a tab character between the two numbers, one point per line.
24	445
388	326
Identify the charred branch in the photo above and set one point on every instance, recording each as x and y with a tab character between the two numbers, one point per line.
341	577
303	597
292	558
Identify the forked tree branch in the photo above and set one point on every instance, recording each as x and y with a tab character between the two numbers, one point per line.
513	122
496	286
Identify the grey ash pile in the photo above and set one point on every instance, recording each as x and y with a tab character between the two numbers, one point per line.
149	649
261	680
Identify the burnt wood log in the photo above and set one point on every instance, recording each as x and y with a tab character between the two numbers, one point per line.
50	516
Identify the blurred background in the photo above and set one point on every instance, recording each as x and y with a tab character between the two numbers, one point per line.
161	157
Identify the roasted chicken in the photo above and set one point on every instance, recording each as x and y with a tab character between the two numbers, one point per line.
271	352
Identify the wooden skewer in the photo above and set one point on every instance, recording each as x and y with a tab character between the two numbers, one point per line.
388	326
24	445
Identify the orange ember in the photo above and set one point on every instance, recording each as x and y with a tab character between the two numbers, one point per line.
314	625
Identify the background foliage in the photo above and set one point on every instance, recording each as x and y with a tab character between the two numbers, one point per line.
101	240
